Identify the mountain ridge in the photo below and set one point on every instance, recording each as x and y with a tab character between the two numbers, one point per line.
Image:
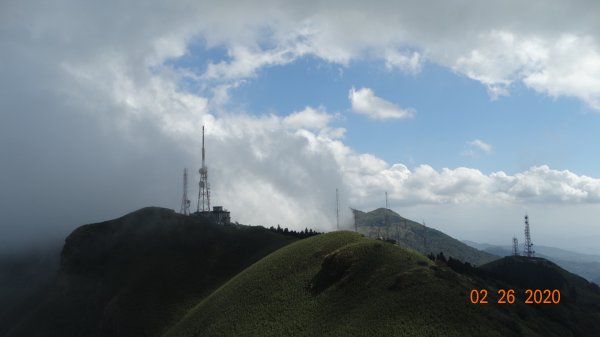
154	272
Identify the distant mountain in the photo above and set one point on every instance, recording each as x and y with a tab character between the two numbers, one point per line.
342	284
409	233
586	265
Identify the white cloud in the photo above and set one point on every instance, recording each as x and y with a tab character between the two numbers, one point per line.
477	145
245	62
462	185
365	102
308	118
497	44
407	62
568	65
571	68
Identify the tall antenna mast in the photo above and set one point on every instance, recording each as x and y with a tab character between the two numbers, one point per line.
185	202
337	209
515	250
529	252
204	191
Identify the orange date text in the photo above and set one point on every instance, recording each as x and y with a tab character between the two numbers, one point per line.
507	296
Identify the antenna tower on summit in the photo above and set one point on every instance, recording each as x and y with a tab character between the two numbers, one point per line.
515	249
204	191
185	202
529	252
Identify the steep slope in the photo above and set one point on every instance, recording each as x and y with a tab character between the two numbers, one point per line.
135	275
416	236
342	284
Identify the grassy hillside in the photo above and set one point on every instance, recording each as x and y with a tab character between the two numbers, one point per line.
342	284
135	275
416	236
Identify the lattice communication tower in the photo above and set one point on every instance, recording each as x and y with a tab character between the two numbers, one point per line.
515	246
529	252
204	191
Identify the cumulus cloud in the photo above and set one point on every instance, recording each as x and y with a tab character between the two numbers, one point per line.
365	102
95	123
426	185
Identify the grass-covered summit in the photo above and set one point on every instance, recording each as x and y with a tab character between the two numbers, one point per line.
343	284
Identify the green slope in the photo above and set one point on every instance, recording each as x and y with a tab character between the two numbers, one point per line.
136	275
342	284
411	234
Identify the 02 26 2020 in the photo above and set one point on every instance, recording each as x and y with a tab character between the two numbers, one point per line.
507	296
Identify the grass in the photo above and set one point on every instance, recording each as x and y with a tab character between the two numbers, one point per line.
342	284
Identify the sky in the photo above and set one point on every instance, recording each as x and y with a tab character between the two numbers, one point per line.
470	114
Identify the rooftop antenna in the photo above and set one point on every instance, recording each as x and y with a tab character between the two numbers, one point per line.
337	209
185	202
204	191
515	249
529	252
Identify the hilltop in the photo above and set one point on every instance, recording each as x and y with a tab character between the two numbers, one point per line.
411	234
135	275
